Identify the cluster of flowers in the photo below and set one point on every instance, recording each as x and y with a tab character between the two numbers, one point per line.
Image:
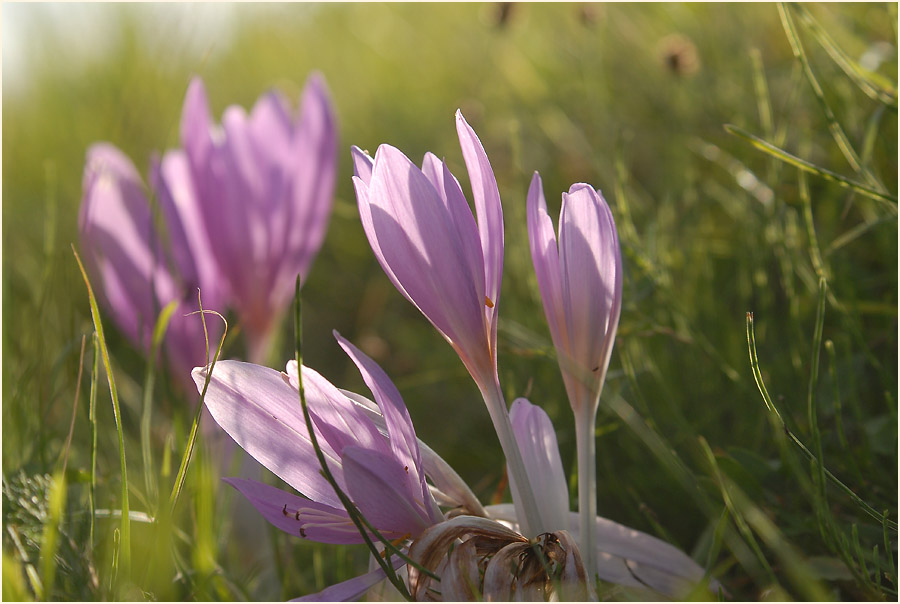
245	206
449	264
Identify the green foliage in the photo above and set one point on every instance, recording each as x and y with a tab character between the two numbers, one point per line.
790	213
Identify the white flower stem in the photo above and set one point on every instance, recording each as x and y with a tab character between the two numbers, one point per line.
585	420
531	525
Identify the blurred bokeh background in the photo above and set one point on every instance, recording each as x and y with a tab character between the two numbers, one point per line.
629	98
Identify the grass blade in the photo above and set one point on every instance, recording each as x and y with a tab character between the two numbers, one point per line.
837	132
56	503
159	332
872	84
757	375
92	416
766	147
125	536
64	456
192	437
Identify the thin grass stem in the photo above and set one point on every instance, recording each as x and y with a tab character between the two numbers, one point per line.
125	536
757	375
834	126
192	437
159	332
767	147
92	417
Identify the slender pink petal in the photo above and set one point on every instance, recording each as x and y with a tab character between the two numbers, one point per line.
341	422
415	239
404	444
362	164
540	453
350	590
298	516
262	413
544	254
590	264
196	123
487	209
378	484
120	244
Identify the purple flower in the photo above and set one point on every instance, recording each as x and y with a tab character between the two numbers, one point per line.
580	278
135	276
264	184
449	266
372	451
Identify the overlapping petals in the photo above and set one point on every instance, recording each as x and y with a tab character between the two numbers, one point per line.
136	276
383	474
423	234
265	183
580	278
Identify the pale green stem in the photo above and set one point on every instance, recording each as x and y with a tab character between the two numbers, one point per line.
532	524
585	419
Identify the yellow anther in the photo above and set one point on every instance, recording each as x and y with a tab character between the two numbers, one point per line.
488	302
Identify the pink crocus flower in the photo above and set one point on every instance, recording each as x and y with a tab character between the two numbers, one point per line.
371	449
265	183
621	555
135	276
580	278
423	234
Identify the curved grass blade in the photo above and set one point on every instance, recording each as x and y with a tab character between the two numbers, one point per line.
872	84
159	332
770	405
766	147
192	437
834	126
125	534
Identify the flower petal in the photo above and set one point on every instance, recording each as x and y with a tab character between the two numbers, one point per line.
487	209
591	270
540	454
416	240
262	413
379	487
404	444
439	471
350	590
339	420
298	516
120	243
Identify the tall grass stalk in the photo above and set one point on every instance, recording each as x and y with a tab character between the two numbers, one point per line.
124	544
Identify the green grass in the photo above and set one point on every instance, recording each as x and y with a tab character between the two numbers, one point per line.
761	180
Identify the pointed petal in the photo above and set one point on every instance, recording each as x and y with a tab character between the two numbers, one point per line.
312	170
196	123
487	209
350	590
416	239
340	421
439	471
262	413
379	487
591	277
404	443
540	454
545	257
362	164
120	243
298	516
